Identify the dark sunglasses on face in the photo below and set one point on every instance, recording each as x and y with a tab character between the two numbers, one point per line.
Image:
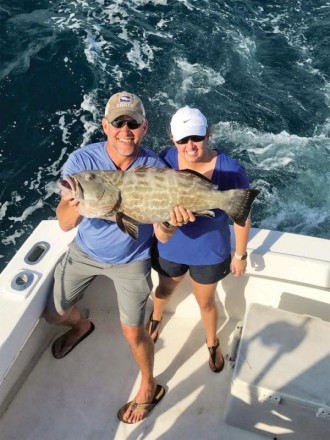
193	138
132	124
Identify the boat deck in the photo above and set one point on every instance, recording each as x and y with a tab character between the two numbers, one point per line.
78	397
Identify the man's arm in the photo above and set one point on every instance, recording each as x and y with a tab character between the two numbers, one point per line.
67	213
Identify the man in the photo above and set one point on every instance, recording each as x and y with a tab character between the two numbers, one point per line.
100	247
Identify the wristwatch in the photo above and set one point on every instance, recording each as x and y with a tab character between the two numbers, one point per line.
241	257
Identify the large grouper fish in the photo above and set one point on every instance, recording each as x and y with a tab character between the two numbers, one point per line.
148	195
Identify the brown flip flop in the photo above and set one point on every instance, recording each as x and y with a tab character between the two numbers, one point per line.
63	338
159	394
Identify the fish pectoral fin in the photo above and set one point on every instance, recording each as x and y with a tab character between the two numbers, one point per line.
127	225
209	214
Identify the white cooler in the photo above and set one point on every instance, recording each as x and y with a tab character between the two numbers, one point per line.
281	380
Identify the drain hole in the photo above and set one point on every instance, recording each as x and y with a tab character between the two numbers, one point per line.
37	252
22	280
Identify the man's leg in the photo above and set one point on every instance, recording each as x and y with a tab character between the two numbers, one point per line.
72	276
163	292
133	286
142	349
80	326
170	275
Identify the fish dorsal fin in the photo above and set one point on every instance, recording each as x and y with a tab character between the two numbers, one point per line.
141	168
196	173
127	225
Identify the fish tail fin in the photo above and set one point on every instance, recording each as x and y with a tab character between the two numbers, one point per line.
239	204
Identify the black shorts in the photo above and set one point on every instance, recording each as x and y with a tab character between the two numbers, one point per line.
209	274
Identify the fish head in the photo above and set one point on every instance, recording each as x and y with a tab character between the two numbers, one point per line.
96	194
70	185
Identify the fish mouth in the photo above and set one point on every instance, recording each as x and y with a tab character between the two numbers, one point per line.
71	184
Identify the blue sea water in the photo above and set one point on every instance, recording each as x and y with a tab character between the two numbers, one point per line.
259	71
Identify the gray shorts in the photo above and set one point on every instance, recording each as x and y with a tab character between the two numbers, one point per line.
76	271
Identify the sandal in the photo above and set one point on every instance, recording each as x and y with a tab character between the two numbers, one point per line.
59	343
148	407
213	356
152	328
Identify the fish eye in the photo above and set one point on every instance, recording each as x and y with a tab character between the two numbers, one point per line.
90	176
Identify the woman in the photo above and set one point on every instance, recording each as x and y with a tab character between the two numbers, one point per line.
203	246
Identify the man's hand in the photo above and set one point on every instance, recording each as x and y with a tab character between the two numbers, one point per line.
70	200
67	212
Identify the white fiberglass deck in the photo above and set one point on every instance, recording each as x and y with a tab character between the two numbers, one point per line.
78	397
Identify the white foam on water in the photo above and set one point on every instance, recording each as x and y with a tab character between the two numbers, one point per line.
162	99
54	167
162	23
3	209
93	47
90	125
298	218
188	5
141	56
22	61
153	2
242	44
64	129
89	104
28	211
11	239
294	31
200	78
295	176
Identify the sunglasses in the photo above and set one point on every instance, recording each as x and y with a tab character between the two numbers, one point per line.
193	138
132	124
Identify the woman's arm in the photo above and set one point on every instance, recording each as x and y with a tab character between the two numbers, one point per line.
178	217
238	266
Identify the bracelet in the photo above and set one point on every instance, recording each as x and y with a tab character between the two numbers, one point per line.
167	227
241	257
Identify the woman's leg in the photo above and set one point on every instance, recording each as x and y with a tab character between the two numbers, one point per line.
205	296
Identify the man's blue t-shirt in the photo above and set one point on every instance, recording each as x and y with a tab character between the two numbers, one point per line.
101	239
207	240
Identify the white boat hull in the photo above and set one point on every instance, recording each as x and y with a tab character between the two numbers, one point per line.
78	397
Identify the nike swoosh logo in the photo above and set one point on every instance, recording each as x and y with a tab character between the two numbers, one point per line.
186	121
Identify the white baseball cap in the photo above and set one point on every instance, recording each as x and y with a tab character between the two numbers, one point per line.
188	121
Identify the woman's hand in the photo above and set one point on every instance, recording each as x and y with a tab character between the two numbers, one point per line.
181	216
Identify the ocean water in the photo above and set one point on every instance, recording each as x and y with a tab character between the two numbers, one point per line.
259	71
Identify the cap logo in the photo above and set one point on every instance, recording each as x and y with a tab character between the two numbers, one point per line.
125	99
186	121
